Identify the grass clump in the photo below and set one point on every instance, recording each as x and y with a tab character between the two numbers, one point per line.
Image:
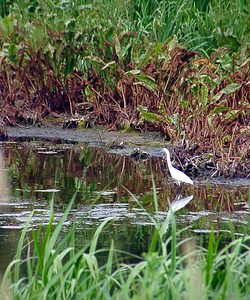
172	268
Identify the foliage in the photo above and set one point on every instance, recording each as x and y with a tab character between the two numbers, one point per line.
127	64
172	268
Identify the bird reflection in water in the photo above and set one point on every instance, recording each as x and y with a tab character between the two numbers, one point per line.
179	202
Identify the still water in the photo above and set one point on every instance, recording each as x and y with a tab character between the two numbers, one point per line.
108	184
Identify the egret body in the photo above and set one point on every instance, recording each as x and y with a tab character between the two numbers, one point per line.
177	175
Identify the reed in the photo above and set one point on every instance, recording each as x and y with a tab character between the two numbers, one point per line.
172	268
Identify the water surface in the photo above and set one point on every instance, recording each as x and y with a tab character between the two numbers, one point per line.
108	184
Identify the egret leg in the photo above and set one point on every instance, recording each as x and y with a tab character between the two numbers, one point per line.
177	186
176	182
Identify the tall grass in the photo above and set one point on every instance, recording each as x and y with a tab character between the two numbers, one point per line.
202	25
172	268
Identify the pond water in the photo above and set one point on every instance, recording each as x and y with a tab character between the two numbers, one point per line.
106	184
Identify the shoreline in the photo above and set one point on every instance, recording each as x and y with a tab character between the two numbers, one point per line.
114	142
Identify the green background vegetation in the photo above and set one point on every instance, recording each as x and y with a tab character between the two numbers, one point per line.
201	25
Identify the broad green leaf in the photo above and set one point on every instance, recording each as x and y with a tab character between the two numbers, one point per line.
227	90
145	80
118	48
149	116
218	109
232	114
231	88
226	62
204	95
196	89
92	264
69	66
137	271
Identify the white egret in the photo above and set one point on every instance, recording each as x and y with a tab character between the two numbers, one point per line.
177	175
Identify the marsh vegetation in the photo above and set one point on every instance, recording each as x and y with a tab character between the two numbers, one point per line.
173	267
179	67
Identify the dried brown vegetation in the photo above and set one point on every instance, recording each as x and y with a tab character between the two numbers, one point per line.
186	97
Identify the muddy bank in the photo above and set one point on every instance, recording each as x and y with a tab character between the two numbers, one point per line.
94	137
125	143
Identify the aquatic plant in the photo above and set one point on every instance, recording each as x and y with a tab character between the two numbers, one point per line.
49	267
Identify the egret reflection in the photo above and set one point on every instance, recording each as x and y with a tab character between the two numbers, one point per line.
179	202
